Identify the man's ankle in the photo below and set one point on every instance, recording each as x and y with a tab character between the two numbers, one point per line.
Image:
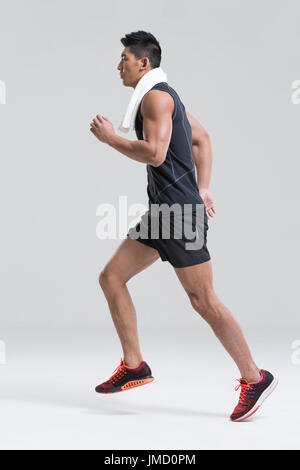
253	377
132	363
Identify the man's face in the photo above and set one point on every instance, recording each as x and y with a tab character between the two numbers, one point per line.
131	69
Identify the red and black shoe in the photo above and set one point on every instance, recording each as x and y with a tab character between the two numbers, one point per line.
126	378
253	394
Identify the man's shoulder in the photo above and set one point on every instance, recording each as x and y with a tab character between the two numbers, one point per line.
157	102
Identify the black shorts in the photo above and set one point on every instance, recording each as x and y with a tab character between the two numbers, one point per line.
174	250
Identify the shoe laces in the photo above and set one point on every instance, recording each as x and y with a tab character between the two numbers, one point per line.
119	372
247	390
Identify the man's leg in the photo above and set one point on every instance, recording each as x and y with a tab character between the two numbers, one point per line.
198	283
130	258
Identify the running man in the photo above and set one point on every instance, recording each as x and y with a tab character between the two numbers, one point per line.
175	149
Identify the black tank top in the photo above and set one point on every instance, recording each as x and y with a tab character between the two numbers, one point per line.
174	181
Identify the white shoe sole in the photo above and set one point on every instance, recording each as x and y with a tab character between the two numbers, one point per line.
261	399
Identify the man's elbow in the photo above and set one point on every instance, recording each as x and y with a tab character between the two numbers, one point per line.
199	135
204	138
158	159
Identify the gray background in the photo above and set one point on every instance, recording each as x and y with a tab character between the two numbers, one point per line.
232	64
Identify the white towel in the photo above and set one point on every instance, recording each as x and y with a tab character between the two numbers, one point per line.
145	84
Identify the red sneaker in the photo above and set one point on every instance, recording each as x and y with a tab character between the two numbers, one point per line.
252	395
126	378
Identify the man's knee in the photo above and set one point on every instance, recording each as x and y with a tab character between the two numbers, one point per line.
108	280
206	304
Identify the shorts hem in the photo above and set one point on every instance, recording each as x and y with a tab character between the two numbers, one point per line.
193	263
163	257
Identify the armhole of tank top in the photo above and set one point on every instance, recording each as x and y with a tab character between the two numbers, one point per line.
175	104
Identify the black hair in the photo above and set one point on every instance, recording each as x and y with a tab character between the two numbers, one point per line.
143	44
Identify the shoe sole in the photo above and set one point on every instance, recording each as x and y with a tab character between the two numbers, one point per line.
260	401
129	385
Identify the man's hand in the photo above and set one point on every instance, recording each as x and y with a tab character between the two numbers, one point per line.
102	128
208	202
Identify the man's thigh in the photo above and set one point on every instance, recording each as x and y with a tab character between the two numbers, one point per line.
197	279
130	258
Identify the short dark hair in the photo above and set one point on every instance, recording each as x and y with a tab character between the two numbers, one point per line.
143	44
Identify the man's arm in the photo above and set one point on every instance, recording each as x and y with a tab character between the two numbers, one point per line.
202	154
157	108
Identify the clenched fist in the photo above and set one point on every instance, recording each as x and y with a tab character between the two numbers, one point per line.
102	128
